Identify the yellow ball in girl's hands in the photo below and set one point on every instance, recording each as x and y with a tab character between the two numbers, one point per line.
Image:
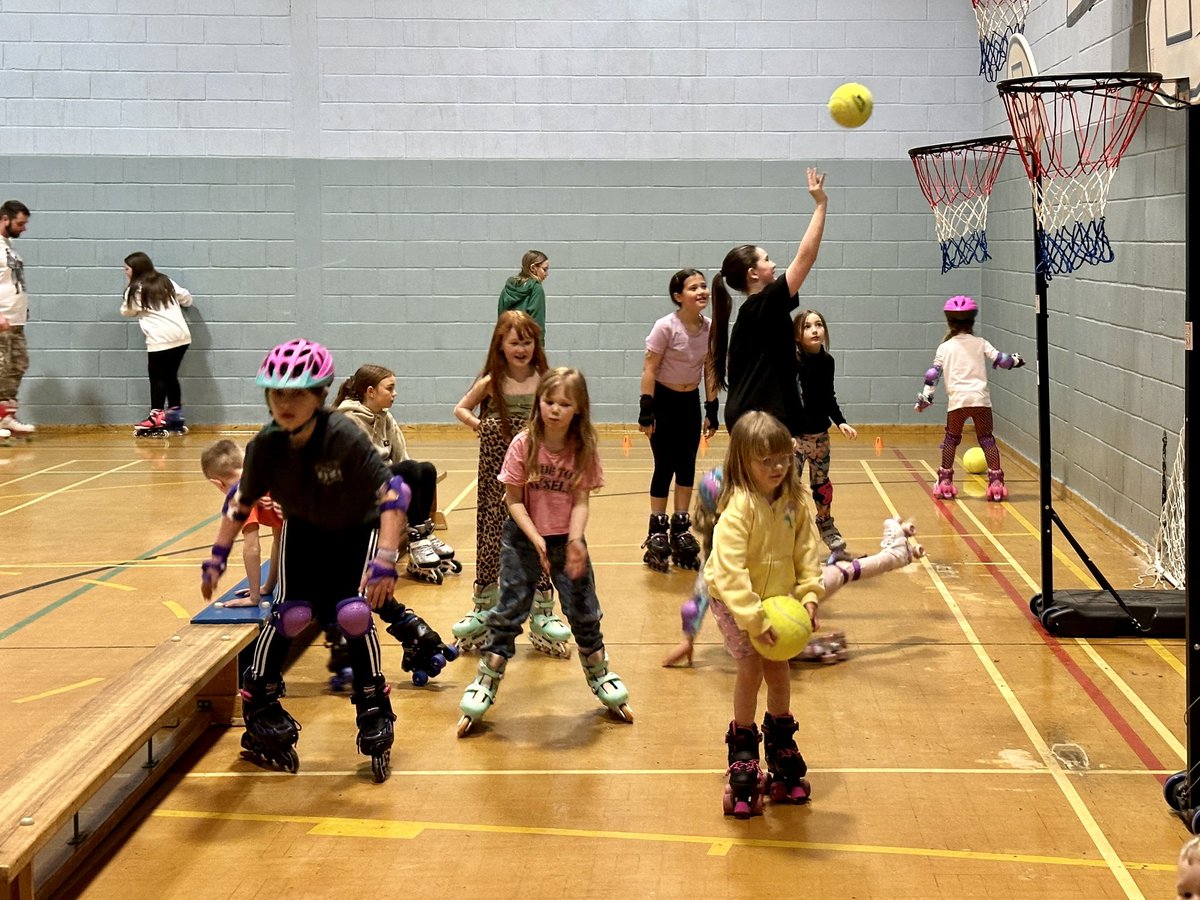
974	461
851	105
792	625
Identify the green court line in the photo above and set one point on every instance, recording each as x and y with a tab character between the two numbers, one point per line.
116	570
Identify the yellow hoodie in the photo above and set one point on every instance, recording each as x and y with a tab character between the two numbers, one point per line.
763	549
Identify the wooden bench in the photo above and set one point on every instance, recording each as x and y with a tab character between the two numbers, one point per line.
163	703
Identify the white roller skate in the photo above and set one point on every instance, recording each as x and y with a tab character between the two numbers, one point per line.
547	632
481	693
423	561
606	685
445	553
896	540
471	630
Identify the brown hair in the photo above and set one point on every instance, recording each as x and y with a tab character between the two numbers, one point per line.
737	263
959	323
496	364
528	261
356	386
148	287
581	435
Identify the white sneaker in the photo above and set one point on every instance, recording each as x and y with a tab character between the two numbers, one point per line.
12	426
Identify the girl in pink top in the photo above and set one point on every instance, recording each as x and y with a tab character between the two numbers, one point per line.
549	470
962	358
677	361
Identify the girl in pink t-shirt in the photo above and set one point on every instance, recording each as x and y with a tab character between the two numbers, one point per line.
548	473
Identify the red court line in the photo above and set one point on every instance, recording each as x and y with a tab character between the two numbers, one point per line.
1118	721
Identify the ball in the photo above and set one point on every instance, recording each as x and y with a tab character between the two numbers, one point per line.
851	105
792	625
974	461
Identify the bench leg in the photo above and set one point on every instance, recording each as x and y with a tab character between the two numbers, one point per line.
21	888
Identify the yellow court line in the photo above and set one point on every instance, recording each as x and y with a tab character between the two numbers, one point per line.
37	473
107	584
1167	656
5	572
47	496
459	499
1086	819
116	487
329	826
62	690
180	612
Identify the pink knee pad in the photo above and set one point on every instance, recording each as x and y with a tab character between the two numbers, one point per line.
354	617
292	617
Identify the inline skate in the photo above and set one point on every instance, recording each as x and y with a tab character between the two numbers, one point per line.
658	543
151	426
174	422
685	549
470	632
375	730
481	693
547	632
743	796
271	733
424	564
606	685
341	674
996	491
425	655
785	766
945	489
445	553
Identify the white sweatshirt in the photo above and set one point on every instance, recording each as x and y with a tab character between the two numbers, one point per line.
164	328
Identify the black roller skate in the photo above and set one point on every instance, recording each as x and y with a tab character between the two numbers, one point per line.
657	544
271	734
744	792
339	659
784	762
685	549
425	654
375	730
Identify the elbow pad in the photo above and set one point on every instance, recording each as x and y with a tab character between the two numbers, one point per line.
932	376
231	508
646	410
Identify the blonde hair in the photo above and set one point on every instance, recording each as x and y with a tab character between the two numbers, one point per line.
221	460
581	435
528	261
1190	852
757	435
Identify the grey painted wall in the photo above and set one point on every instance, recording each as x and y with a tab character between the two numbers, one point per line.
368	173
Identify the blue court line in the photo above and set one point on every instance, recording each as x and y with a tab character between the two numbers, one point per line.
116	570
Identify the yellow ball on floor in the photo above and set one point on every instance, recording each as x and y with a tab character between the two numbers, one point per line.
851	105
792	625
974	461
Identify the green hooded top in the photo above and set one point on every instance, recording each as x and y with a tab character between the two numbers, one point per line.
527	297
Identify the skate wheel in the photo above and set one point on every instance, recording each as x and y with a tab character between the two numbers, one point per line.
464	725
455	567
450	653
727	801
289	761
420	678
778	791
800	792
624	712
381	766
437	662
1175	791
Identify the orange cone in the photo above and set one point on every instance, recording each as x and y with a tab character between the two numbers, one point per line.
878	445
625	444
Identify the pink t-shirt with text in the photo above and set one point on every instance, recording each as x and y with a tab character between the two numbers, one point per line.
550	498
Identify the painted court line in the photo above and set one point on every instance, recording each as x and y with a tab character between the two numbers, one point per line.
48	495
38	472
107	584
60	690
179	611
328	826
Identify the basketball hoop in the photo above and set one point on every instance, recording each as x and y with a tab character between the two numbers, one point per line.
957	181
998	20
1071	131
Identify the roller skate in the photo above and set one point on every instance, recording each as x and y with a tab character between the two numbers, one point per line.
271	734
833	540
685	549
897	540
424	653
945	489
445	553
996	491
375	730
825	648
606	685
470	632
785	766
423	562
339	659
481	693
174	422
744	791
658	543
547	632
151	426
10	426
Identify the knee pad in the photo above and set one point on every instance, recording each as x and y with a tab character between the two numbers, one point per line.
354	617
987	442
823	493
291	617
951	440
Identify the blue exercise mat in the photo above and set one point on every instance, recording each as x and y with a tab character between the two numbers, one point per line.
233	615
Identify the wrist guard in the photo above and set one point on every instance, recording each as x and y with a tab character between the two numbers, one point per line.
210	570
377	571
711	408
646	410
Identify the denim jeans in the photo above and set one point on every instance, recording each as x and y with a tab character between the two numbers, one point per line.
520	570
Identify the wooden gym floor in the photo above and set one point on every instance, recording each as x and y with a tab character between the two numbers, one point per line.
959	752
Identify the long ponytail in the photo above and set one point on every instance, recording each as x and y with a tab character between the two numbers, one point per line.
718	337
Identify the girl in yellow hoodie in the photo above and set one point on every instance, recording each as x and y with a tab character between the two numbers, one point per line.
765	544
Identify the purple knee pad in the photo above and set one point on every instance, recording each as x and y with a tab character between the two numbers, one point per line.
354	617
292	617
987	441
951	439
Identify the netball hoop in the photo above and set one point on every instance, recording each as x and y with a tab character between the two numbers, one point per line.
957	181
1071	132
998	20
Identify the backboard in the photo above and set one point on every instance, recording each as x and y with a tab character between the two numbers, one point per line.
1173	44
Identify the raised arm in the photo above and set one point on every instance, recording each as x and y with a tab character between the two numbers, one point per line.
810	244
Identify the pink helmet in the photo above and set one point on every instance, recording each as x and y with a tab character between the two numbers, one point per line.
296	364
960	304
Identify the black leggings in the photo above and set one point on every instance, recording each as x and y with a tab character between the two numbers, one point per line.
163	367
676	438
421	478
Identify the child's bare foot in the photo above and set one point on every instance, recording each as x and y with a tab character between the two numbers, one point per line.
680	653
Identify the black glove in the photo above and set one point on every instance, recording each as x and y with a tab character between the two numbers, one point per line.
710	413
646	411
